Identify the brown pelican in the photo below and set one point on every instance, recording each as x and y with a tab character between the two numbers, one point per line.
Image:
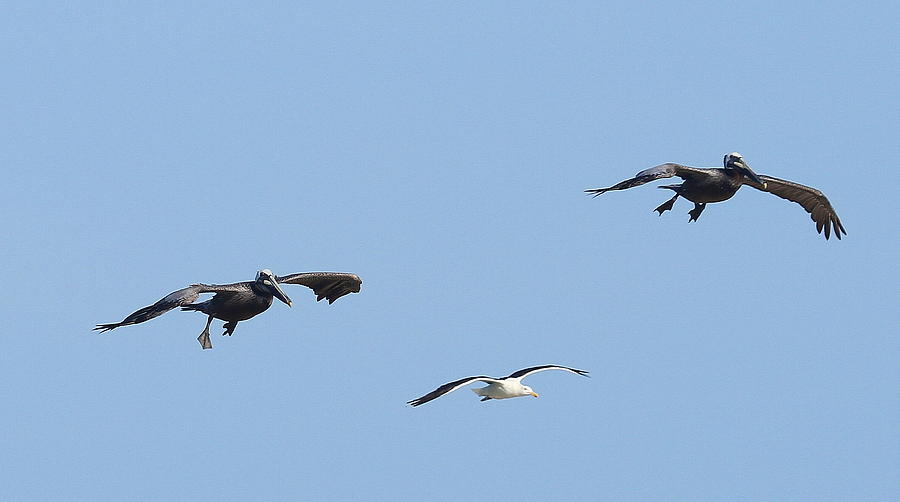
498	388
242	300
702	185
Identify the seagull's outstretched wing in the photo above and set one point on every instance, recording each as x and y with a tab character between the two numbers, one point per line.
330	285
450	387
814	201
534	369
647	175
176	299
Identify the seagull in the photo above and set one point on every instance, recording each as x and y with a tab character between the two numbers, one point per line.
703	185
242	300
498	388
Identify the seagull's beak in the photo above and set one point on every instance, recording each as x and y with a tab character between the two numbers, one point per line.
746	171
535	394
278	293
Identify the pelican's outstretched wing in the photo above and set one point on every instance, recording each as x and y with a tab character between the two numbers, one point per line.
654	173
450	387
330	285
178	298
169	302
814	201
534	369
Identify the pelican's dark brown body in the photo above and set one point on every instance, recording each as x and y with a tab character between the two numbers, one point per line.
235	306
715	186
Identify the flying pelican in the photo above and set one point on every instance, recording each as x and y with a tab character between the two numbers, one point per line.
702	185
242	300
498	388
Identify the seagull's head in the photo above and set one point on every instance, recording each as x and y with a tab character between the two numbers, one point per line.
736	161
527	391
267	281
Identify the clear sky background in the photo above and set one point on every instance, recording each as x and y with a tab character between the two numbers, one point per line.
440	150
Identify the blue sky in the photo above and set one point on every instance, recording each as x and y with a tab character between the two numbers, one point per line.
440	152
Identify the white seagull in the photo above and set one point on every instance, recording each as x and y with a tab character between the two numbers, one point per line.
498	388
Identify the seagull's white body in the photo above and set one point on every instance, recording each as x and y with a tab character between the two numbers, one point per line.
504	389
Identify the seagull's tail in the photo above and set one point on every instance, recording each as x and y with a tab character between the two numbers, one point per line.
480	392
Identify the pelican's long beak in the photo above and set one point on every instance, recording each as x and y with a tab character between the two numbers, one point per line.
746	171
276	290
535	394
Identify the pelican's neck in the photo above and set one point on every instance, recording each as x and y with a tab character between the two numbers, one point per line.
261	290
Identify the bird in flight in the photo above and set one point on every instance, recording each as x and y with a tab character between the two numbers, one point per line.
242	300
497	388
705	185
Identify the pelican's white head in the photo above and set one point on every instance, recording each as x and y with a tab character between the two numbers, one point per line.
267	280
736	161
733	158
526	391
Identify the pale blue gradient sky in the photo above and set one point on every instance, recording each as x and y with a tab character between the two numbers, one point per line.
440	152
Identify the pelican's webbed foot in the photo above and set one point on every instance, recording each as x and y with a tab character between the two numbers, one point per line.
667	205
229	327
695	213
485	398
204	337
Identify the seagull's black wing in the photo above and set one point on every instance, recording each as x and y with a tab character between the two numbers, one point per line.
814	201
449	387
534	369
330	285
